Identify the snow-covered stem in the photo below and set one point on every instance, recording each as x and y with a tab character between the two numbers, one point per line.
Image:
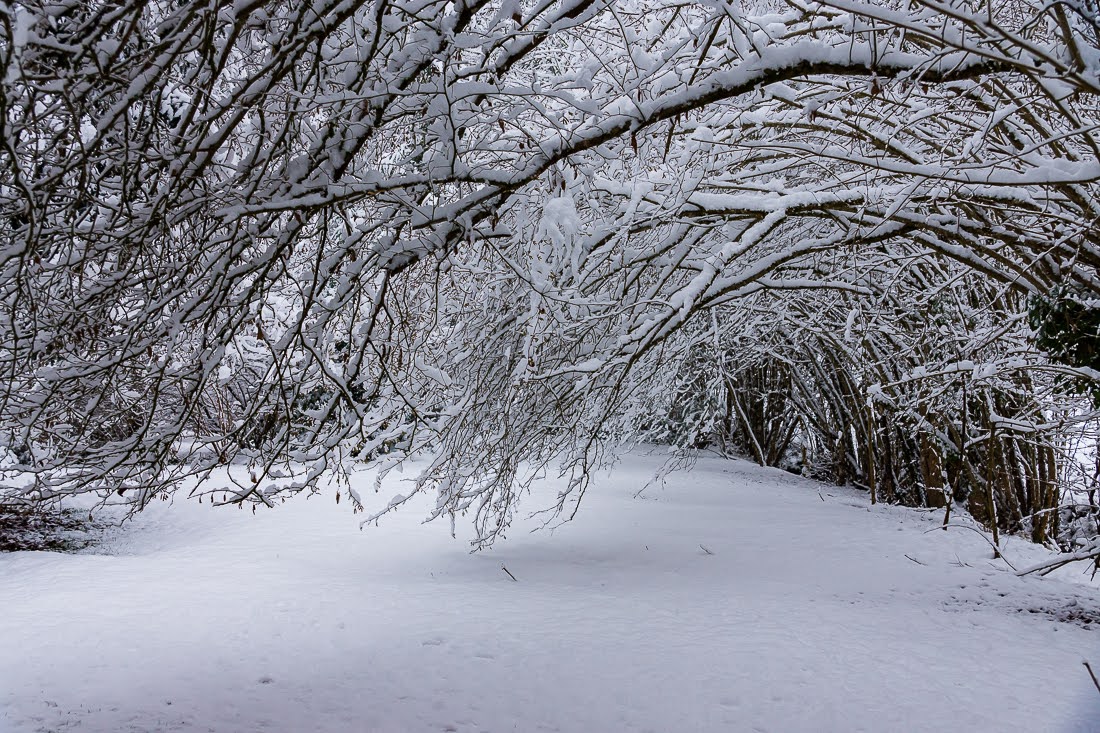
496	233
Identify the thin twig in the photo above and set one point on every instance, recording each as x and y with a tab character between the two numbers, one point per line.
1092	674
705	549
996	549
918	562
509	573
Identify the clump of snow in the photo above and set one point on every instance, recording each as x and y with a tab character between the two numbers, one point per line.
560	221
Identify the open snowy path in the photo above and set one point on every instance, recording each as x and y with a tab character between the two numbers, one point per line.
806	616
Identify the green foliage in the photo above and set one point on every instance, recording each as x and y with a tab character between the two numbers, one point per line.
1068	328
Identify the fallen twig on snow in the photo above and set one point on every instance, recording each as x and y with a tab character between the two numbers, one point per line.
996	549
1092	674
960	563
1089	552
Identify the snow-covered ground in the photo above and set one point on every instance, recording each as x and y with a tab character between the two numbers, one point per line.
800	615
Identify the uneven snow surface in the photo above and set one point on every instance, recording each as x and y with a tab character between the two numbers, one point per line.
805	616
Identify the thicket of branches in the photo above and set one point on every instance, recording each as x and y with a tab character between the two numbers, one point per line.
509	233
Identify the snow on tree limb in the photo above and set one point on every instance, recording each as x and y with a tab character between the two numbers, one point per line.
300	236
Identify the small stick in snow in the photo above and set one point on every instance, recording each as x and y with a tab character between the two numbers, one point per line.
509	573
918	562
1092	674
996	549
819	496
705	549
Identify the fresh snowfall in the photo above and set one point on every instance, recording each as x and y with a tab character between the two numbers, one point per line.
726	597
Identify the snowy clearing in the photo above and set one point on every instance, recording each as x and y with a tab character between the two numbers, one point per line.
733	598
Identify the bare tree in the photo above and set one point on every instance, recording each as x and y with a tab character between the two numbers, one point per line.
300	234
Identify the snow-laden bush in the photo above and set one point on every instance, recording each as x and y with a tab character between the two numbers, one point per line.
299	234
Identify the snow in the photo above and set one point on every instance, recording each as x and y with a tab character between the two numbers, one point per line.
808	610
